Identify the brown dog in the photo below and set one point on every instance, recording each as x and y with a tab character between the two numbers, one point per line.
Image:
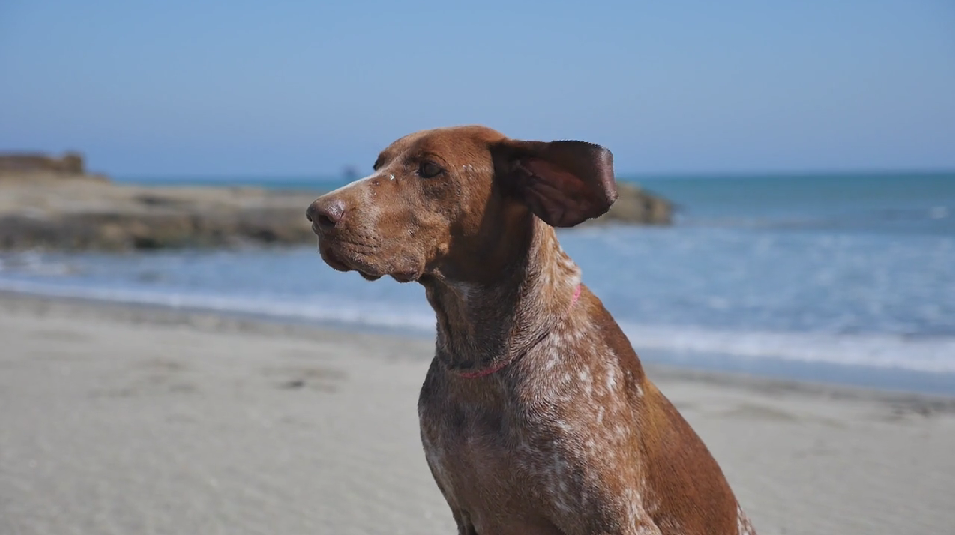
536	415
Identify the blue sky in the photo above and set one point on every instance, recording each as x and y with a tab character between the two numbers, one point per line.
303	88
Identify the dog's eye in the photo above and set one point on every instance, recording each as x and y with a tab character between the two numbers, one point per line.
429	169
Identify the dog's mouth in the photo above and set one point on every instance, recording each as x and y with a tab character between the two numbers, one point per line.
339	262
340	259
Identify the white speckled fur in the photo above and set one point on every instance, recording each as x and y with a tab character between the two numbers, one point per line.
536	415
575	407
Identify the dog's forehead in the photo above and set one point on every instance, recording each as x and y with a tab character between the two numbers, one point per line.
452	143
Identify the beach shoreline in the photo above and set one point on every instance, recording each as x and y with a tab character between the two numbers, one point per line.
785	373
420	345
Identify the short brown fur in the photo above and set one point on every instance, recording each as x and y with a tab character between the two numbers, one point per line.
567	435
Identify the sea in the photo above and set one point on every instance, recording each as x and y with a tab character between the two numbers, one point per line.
838	278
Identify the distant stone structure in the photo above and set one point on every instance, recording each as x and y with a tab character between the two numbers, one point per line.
53	203
29	163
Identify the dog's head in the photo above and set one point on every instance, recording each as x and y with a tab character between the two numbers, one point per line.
439	199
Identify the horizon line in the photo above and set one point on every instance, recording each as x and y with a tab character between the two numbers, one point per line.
624	175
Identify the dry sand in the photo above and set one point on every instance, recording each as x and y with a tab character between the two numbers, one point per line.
131	420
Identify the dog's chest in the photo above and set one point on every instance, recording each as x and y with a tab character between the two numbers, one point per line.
560	456
468	447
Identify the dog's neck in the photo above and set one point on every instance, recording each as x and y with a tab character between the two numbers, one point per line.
525	290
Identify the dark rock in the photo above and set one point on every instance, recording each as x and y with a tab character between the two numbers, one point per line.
28	163
78	214
636	206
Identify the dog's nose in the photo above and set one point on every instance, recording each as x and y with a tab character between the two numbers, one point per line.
326	213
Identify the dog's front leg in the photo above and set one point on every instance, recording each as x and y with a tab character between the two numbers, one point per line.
461	517
463	520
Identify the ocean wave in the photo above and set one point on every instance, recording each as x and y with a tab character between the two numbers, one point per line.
935	354
314	308
33	263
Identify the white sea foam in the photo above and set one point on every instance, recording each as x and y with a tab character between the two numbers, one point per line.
926	354
330	310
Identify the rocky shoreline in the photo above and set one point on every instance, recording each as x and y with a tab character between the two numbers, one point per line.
58	211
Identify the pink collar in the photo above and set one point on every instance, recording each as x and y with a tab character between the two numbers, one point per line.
498	367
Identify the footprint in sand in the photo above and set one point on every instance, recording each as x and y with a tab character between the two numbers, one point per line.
301	377
151	377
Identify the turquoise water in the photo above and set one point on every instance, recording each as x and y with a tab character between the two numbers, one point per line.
847	278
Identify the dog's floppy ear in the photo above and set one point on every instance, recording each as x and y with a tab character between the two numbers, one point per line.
564	182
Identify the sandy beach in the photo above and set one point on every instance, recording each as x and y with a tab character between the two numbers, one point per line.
117	419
